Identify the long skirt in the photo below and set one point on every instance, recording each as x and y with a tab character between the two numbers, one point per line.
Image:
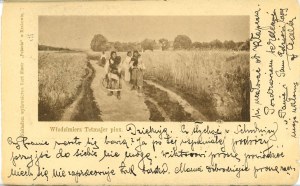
126	74
137	77
114	82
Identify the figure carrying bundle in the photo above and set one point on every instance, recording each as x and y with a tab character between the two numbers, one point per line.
113	74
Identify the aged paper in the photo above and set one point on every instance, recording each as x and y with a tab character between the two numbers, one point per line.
151	92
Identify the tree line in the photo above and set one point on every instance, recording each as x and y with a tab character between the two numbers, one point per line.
50	48
181	42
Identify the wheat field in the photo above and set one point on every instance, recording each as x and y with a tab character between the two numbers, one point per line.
60	76
219	78
215	82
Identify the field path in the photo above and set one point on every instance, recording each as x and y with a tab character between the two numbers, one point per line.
183	103
157	103
83	107
131	107
72	110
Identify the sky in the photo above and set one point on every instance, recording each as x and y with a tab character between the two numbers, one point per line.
78	31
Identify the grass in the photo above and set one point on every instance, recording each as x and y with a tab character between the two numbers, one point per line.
60	78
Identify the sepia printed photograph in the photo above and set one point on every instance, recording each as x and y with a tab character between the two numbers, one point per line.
144	68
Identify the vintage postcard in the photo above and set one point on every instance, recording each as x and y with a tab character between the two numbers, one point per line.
151	92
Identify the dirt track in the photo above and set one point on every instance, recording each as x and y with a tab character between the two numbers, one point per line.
83	107
131	107
155	104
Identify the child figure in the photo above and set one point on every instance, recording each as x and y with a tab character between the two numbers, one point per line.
126	66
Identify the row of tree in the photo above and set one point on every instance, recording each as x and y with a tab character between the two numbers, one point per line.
181	42
50	48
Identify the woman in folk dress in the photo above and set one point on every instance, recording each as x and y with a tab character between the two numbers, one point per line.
102	59
137	71
113	71
126	66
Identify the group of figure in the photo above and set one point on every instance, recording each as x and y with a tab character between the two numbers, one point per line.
131	70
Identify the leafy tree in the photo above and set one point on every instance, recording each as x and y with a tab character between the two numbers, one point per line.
131	46
182	42
216	44
99	43
206	45
148	44
229	45
137	46
238	45
164	44
245	45
119	46
197	45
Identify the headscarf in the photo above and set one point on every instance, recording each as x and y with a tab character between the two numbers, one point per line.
138	54
111	53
